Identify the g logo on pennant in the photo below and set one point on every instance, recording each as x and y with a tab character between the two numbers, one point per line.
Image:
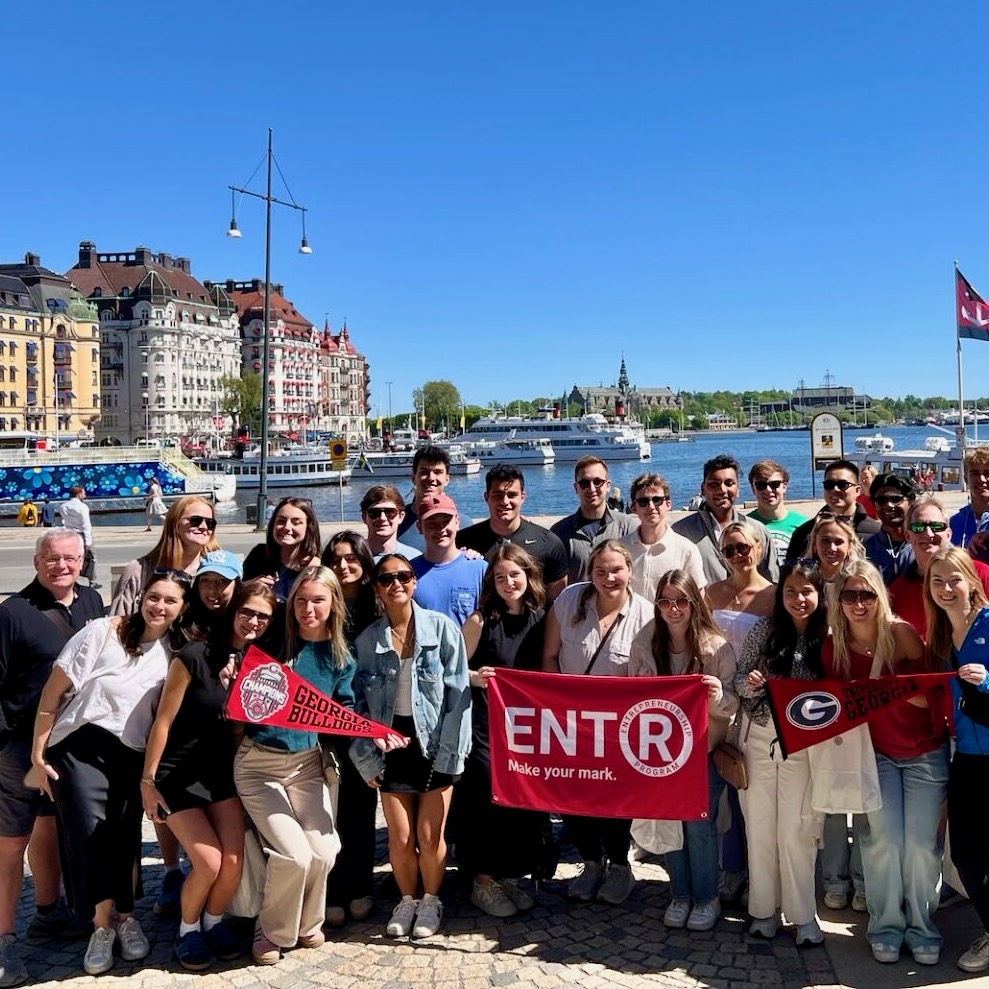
813	710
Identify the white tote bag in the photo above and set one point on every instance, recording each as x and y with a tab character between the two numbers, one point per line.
247	900
844	776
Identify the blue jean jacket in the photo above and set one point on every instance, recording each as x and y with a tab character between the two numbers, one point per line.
440	691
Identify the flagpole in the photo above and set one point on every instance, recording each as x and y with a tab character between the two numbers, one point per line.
960	436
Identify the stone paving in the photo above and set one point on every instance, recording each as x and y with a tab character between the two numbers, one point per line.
557	944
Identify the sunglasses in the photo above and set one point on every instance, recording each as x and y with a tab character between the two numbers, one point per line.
179	576
657	501
807	562
831	484
250	615
665	604
918	527
585	482
889	499
762	485
831	517
378	513
742	549
403	577
197	521
857	597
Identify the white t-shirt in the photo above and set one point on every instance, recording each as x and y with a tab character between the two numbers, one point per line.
110	689
671	552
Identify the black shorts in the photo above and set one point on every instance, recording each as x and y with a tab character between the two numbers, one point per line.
19	805
408	770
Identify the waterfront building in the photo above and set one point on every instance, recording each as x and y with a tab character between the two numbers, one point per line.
636	402
49	353
317	380
166	343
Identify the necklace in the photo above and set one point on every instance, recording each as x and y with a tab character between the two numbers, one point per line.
406	640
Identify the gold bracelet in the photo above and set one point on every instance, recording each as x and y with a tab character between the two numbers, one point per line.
48	713
148	781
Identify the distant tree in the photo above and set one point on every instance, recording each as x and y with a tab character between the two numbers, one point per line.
440	400
241	399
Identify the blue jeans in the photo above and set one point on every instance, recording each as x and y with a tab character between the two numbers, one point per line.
841	863
693	870
901	853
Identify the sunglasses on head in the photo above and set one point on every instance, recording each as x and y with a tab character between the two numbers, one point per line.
377	513
836	484
832	517
918	527
585	482
665	604
807	562
773	485
657	501
195	521
403	577
179	576
857	597
742	549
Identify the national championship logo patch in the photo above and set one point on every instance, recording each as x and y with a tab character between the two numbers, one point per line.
263	691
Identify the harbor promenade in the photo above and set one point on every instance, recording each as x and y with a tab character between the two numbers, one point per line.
557	945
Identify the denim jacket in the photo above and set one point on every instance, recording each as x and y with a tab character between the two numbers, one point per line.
440	691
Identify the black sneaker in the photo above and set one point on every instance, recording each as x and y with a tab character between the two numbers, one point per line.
58	922
192	953
170	897
223	943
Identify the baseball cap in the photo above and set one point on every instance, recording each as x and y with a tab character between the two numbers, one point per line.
441	504
223	562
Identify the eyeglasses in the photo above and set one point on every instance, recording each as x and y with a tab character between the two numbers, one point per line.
179	576
665	604
377	513
742	549
403	577
762	485
250	615
585	482
857	597
918	527
657	501
833	484
197	521
889	499
831	517
54	561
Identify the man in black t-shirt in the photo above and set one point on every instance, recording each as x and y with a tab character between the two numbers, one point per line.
504	494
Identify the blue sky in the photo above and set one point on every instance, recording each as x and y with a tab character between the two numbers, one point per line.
512	195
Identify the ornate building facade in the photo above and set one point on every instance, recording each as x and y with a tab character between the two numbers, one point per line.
167	341
636	401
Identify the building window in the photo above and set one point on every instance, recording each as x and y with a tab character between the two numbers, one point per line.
13	370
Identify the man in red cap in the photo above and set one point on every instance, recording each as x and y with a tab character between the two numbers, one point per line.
448	581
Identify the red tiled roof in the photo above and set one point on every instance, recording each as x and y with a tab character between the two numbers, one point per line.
250	305
112	276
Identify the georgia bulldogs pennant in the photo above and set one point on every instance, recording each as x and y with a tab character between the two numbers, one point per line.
810	711
267	692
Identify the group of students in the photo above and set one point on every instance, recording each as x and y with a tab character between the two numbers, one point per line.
131	723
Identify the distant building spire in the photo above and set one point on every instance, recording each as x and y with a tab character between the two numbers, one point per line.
623	378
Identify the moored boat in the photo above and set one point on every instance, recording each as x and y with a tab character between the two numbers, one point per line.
294	467
376	464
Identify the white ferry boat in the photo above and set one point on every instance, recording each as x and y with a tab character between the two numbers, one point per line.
526	452
374	464
116	478
940	460
571	438
294	467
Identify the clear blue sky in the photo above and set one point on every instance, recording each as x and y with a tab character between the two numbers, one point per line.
510	195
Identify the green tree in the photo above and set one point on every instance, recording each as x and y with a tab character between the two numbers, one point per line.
241	399
440	402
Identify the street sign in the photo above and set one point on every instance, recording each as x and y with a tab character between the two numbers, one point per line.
338	454
825	440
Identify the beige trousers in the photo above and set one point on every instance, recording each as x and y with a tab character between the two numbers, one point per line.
290	804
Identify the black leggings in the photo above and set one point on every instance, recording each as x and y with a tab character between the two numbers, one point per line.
966	827
352	875
591	835
98	813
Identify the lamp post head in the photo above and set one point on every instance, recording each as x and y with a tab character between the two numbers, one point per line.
304	247
233	231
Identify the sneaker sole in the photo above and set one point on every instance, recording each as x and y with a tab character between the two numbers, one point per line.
193	966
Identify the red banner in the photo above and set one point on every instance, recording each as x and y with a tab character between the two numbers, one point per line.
810	711
267	692
971	310
600	746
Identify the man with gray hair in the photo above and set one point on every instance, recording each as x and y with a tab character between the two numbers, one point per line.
35	625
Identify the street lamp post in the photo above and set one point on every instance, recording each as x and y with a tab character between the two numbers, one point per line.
304	248
146	399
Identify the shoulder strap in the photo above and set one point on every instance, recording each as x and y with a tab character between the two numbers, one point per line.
57	617
604	639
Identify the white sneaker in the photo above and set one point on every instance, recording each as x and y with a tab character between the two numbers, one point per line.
764	927
335	916
402	918
585	886
429	916
677	913
888	954
976	959
133	944
99	952
492	899
859	902
809	934
516	894
12	970
704	915
835	900
618	884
